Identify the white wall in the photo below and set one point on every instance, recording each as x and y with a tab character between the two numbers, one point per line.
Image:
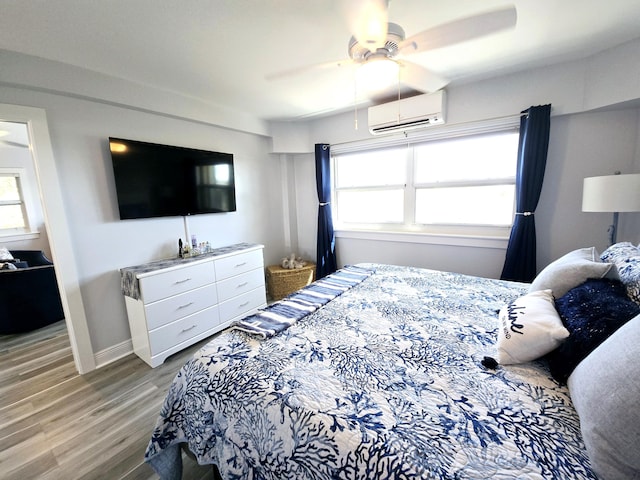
39	74
584	145
101	242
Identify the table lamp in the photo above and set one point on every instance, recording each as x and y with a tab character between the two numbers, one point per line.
612	193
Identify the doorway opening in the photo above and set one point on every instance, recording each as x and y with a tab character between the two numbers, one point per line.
55	224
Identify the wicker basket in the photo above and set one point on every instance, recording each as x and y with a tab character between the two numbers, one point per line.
283	281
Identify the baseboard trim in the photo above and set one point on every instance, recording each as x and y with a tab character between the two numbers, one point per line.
111	354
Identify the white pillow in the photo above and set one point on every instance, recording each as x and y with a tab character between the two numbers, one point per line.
605	388
530	327
5	254
571	270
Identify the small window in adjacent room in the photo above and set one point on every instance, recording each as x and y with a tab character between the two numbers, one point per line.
13	212
459	185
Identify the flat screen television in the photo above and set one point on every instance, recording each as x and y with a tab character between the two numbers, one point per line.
155	180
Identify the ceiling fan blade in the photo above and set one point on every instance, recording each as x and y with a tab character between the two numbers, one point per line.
461	30
420	78
368	22
308	68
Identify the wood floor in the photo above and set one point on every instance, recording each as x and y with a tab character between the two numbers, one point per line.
57	424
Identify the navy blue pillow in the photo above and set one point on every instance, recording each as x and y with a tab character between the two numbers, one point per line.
591	312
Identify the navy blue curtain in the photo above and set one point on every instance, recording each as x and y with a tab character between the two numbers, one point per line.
520	261
326	245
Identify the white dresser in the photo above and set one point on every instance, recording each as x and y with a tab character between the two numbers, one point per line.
172	304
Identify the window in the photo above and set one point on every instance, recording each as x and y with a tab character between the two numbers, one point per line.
13	213
461	185
370	186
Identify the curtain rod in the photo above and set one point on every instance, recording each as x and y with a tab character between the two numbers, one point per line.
439	128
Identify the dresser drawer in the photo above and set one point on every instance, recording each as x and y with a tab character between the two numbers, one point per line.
234	286
173	282
235	265
170	309
182	330
242	304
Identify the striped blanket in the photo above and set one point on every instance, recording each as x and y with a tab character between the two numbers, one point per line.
282	314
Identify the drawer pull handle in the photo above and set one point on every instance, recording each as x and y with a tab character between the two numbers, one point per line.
185	305
182	281
243	285
241	264
243	304
184	330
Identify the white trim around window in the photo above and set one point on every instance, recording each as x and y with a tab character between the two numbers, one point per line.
478	241
369	173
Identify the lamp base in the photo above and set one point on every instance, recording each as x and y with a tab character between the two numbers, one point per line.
613	229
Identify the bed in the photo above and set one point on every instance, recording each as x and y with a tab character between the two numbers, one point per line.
389	379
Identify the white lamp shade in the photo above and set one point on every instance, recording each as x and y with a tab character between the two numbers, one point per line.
611	193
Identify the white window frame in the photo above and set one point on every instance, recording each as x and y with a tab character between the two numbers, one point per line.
26	232
449	234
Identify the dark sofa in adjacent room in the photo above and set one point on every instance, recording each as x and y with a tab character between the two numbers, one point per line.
29	295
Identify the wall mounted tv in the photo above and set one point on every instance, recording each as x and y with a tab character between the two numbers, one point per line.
155	180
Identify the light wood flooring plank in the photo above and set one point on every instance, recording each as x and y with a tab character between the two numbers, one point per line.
13	392
56	424
41	466
23	341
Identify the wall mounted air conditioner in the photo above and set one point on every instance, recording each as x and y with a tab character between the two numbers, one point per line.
408	114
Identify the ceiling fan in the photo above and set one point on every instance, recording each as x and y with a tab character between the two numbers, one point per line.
375	40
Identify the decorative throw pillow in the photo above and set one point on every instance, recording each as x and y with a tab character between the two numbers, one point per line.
529	328
619	252
572	270
605	388
591	312
626	257
629	271
5	254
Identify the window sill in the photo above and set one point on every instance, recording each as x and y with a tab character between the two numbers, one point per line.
18	237
477	241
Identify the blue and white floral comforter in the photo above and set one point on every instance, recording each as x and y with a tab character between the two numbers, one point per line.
384	382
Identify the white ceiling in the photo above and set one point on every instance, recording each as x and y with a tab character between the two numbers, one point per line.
220	51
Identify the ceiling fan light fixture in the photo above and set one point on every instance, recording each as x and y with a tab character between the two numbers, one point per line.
369	22
360	52
377	74
373	34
